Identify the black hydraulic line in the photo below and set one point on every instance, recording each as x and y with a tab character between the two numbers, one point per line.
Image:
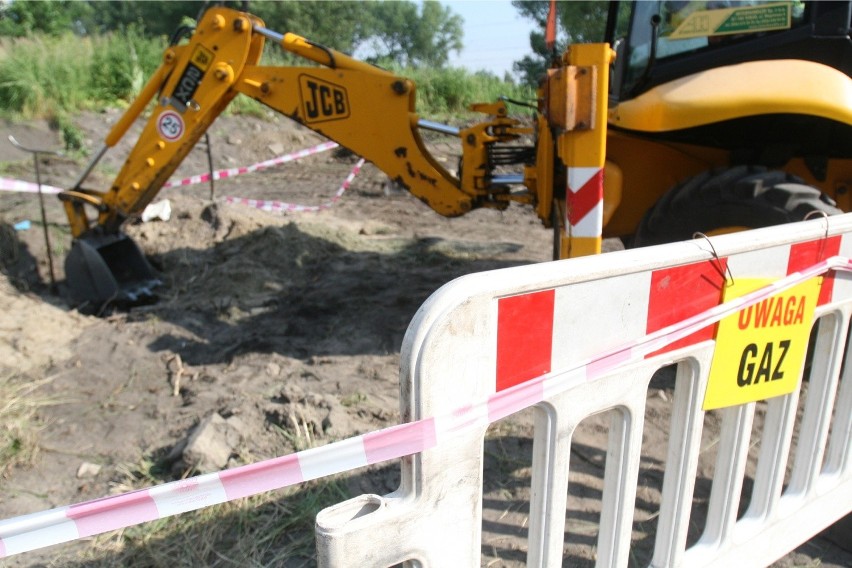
517	102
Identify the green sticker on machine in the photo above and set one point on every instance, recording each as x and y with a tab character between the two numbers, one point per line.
740	20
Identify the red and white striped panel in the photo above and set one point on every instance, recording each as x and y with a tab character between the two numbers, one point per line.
585	201
537	332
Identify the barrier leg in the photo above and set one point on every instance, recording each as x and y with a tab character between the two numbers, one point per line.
548	502
813	432
681	462
840	444
620	479
406	525
727	477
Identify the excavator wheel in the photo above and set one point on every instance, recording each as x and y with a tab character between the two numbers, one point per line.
730	199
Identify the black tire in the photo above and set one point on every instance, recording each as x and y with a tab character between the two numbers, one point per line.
742	196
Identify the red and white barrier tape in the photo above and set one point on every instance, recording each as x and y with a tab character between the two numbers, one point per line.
7	184
232	172
281	206
39	530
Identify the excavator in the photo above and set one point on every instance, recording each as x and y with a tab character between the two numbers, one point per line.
688	117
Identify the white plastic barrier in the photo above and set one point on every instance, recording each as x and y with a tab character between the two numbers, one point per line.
574	338
530	331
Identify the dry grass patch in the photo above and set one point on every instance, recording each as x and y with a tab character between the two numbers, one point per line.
271	529
19	424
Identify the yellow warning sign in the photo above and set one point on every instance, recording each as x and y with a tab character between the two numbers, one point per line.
202	57
738	20
760	350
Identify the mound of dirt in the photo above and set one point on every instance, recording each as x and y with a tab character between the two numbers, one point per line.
290	322
282	330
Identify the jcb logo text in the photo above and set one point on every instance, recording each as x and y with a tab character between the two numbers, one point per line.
322	100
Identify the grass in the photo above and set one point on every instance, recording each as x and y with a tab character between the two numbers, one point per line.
269	529
243	533
450	92
48	77
263	530
51	77
72	137
19	426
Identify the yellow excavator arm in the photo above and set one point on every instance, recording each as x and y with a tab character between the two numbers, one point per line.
362	107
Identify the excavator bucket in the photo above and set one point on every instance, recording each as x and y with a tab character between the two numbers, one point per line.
109	268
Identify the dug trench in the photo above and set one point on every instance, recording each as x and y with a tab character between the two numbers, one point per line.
274	332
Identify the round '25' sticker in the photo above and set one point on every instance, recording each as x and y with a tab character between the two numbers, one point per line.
170	125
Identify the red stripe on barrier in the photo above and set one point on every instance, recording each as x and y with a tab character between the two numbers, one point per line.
263	476
405	439
803	255
524	337
585	199
682	292
95	517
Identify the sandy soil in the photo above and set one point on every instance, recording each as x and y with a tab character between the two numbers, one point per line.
271	315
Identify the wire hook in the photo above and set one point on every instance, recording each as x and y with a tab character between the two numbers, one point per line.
723	272
824	216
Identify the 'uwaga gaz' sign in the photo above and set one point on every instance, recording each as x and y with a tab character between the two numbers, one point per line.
760	350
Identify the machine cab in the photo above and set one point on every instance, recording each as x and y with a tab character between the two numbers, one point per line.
661	41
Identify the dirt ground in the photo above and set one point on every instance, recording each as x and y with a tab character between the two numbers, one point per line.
263	316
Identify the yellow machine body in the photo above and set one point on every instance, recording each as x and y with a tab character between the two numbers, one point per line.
595	169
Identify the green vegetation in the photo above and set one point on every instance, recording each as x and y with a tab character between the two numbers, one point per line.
45	75
51	76
415	34
61	56
442	92
578	22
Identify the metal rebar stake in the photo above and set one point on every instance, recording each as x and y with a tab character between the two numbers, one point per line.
35	152
209	162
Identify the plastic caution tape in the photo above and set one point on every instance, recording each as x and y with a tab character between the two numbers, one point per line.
232	172
7	184
281	206
39	530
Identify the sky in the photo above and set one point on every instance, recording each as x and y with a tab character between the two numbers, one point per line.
494	35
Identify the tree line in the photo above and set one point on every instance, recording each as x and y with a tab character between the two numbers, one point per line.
408	33
578	22
399	32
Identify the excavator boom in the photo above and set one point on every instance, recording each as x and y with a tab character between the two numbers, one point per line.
364	108
620	129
